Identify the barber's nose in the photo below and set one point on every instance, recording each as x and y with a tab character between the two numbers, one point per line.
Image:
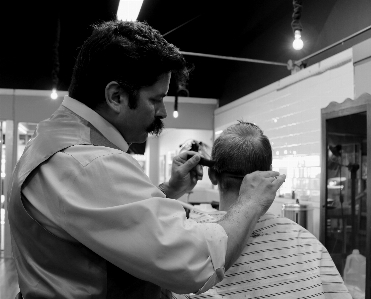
161	111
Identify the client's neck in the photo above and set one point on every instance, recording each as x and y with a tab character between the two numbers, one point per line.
227	199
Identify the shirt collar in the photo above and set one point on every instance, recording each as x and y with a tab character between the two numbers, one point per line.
103	126
218	215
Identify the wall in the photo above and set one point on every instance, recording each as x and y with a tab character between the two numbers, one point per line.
362	67
27	105
288	111
194	113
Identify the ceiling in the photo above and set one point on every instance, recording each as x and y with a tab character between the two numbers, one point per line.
28	31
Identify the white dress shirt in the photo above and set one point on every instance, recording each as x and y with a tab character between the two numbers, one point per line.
101	197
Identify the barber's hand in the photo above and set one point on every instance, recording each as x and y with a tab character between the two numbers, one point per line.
184	174
259	188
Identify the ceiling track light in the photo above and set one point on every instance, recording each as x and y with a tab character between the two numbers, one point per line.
128	10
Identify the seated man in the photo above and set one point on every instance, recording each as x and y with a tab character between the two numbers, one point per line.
281	258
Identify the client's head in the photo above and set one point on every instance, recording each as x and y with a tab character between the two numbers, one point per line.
241	149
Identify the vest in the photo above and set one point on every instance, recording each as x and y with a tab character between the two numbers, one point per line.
49	266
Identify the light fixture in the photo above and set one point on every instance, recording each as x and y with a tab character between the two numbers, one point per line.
182	91
336	183
55	61
298	43
175	113
129	10
296	24
54	94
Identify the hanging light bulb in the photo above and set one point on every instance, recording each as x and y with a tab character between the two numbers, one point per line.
175	113
298	43
54	94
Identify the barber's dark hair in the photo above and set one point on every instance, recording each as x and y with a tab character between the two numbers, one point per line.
131	53
241	149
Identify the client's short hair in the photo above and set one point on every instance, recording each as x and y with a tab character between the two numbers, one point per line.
241	149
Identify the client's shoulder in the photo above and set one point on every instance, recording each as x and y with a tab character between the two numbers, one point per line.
270	224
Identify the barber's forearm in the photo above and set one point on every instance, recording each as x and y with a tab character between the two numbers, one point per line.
170	192
239	223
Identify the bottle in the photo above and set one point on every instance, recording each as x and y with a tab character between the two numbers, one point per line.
355	273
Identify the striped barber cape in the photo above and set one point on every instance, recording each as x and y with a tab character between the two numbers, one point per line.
281	260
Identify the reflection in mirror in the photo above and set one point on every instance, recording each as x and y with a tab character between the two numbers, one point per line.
346	194
2	195
24	133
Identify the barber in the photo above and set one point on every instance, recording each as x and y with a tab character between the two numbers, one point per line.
86	222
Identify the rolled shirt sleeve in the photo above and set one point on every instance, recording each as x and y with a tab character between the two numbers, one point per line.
101	197
216	239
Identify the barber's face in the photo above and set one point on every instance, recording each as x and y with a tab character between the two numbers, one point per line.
147	116
156	126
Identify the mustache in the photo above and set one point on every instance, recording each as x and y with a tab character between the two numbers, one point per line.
155	128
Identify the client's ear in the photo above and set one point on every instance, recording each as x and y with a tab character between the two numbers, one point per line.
212	176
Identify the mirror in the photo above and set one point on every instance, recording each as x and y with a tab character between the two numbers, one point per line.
345	188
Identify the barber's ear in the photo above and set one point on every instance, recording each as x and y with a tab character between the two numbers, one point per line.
115	96
212	176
